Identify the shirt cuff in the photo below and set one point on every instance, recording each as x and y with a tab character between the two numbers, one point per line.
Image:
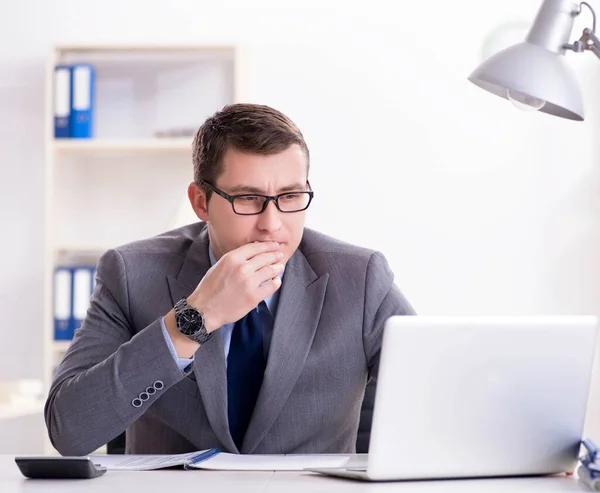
182	363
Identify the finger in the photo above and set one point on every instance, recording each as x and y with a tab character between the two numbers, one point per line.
268	272
262	260
269	287
249	250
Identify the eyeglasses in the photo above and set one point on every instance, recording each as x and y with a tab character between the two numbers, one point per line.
252	204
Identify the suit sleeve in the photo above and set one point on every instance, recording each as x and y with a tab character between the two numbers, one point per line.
383	299
109	376
182	363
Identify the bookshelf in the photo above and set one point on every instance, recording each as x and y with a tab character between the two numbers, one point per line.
129	180
72	146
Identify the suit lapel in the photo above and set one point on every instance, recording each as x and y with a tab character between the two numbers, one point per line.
211	374
209	361
195	265
298	313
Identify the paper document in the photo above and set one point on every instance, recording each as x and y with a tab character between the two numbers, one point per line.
213	459
267	462
147	462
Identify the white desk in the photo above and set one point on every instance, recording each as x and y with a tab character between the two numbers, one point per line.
180	481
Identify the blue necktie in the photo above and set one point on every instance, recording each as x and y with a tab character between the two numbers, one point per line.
245	370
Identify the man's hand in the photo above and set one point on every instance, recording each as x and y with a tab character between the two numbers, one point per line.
238	282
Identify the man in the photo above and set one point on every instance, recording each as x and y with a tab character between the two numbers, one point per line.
244	331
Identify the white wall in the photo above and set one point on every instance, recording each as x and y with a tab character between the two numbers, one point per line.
24	40
480	209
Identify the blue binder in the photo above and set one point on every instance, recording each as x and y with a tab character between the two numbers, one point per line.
62	100
63	304
82	108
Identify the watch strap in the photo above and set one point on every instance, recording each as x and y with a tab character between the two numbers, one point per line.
199	334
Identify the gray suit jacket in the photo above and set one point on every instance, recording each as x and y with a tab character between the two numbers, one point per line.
326	341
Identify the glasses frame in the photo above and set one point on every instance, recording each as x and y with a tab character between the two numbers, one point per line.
268	198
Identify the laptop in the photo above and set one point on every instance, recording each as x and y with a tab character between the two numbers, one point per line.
462	397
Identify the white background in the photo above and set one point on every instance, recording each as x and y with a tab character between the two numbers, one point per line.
479	208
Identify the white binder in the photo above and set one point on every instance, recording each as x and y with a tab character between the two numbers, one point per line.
62	304
82	290
62	101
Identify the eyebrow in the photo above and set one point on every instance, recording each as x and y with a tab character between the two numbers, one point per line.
296	187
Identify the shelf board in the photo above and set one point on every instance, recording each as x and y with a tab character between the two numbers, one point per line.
82	249
123	145
119	48
60	346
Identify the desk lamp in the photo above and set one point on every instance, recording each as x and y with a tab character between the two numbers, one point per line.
533	74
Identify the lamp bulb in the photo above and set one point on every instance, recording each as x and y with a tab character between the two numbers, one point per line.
524	101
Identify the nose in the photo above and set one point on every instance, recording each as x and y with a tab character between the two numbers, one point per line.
270	219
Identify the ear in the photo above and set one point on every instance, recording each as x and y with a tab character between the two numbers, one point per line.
198	201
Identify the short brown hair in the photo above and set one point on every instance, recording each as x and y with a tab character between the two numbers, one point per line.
251	128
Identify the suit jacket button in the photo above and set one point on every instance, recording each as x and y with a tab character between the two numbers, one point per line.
151	391
158	385
137	402
144	396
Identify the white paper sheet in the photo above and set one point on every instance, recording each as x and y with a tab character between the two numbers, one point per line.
258	462
221	461
141	462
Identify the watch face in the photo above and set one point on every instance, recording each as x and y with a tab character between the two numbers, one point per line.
189	321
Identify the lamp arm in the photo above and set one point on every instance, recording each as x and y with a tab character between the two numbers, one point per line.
593	43
591	10
588	40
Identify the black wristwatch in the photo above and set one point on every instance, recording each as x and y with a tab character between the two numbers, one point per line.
190	322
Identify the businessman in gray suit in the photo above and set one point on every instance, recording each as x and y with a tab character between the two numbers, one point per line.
244	331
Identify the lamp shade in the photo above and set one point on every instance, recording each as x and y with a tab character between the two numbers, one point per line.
532	71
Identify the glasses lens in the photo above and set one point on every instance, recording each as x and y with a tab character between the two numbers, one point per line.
253	204
292	202
248	204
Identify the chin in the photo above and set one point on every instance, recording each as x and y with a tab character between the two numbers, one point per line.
288	251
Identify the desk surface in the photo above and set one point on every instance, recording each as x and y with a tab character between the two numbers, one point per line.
11	481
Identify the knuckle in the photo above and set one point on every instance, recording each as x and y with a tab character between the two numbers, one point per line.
228	259
241	273
235	258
